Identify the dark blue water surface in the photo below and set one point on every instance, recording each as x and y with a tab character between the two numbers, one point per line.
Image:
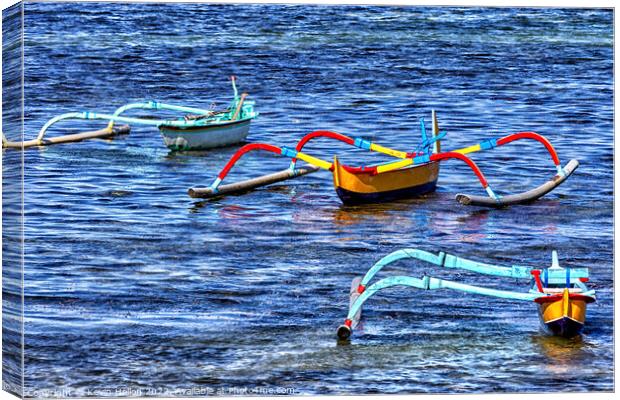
129	283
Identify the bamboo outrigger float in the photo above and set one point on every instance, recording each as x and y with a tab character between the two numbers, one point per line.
561	293
199	129
415	173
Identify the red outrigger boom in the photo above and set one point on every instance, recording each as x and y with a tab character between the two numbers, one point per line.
413	174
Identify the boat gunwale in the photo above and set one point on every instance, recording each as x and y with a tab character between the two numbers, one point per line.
372	171
572	297
196	128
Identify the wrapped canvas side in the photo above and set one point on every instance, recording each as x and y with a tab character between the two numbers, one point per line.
12	201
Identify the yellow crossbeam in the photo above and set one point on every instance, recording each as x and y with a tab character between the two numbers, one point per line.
388	151
470	149
314	161
394	165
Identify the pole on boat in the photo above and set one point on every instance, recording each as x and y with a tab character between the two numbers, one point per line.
239	104
437	144
232	80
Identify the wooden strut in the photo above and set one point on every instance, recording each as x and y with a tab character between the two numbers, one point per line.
243	96
345	330
252	183
519	198
75	137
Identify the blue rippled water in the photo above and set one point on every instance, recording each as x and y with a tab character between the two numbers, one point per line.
130	283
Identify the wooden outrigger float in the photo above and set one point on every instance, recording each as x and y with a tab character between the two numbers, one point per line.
415	173
199	129
561	293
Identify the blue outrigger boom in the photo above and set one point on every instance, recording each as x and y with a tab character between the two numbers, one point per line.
560	292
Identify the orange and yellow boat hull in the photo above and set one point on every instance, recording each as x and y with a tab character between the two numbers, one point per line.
563	314
359	187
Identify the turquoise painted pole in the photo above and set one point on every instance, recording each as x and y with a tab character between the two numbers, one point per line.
450	261
73	115
399	255
234	86
155	105
430	283
117	118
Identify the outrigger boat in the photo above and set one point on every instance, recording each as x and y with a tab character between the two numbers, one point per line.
560	293
199	129
415	173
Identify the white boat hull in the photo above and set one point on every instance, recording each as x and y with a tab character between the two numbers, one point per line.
207	137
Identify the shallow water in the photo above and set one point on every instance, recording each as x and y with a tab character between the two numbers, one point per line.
131	284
